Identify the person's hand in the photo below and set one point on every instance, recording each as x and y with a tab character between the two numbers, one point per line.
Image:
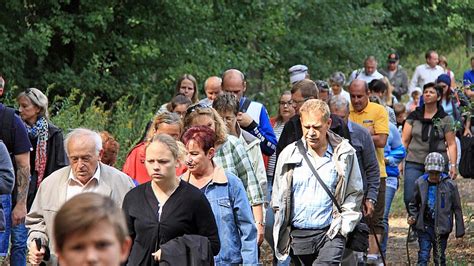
18	214
157	255
411	220
244	119
467	132
35	256
453	172
368	208
260	231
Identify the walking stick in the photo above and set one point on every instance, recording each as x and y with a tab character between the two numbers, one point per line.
378	246
408	251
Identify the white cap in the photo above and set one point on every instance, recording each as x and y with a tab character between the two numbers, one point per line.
297	73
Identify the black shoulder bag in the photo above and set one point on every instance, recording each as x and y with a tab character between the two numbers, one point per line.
358	239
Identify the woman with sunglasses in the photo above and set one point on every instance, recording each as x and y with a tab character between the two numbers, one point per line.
48	153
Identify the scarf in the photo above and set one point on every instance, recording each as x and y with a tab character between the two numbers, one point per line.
430	130
39	131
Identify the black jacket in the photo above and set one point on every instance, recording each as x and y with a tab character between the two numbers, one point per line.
187	211
192	250
56	159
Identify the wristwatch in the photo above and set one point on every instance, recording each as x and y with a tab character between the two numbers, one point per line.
260	223
452	165
372	201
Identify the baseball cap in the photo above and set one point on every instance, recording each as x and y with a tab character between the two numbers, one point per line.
434	162
393	57
297	73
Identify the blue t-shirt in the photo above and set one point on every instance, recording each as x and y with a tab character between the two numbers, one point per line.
468	77
431	203
21	142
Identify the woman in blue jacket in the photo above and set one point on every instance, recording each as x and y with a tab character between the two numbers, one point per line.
227	196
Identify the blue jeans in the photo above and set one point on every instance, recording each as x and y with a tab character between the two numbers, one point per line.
5	236
427	240
390	191
18	235
412	172
269	221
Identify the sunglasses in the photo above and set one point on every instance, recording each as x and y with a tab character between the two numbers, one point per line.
30	91
195	107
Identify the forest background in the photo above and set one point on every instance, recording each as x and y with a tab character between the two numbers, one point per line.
110	64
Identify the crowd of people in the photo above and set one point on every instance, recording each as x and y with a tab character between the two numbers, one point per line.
213	178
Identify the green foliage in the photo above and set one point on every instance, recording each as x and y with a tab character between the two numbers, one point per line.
125	120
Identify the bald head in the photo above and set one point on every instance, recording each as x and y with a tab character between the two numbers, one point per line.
359	92
212	87
233	81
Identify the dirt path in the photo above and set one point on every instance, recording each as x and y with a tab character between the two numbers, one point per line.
459	252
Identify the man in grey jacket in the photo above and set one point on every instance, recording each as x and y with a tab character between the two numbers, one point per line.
397	75
7	179
85	174
304	212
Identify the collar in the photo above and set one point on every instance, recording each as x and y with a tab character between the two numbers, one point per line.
218	176
352	110
96	176
428	67
349	126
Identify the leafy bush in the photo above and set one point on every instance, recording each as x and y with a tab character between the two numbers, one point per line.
125	119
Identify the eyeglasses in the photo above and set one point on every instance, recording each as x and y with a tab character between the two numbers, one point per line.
194	107
29	90
295	103
289	103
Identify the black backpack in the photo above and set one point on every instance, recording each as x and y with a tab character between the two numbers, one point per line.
7	116
466	164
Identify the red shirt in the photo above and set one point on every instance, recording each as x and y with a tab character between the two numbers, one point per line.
134	165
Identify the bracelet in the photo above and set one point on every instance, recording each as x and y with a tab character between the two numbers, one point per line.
260	223
452	164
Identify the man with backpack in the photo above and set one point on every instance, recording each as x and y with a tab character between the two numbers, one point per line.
13	134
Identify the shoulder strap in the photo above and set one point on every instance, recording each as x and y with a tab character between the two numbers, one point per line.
7	115
315	173
245	105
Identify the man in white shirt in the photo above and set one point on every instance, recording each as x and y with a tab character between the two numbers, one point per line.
85	174
368	73
426	73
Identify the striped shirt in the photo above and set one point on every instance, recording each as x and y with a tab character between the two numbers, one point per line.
233	158
272	160
311	205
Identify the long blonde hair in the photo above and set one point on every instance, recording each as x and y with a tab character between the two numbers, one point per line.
388	95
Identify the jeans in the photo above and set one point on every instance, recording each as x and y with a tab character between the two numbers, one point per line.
427	240
390	190
18	235
5	236
269	221
412	172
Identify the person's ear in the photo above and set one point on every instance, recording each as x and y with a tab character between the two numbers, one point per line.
211	152
245	86
125	249
101	153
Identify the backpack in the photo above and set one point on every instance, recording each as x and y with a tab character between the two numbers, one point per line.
466	165
7	116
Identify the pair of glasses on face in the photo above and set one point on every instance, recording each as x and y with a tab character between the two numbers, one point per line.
30	91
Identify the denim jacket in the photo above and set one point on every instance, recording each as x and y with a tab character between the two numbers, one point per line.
234	218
